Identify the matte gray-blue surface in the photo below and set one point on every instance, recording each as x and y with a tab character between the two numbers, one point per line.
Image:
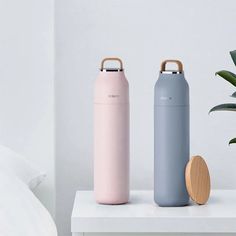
171	139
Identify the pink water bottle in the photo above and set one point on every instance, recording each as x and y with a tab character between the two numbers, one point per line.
111	135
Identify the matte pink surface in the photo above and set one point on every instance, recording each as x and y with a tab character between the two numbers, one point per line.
111	138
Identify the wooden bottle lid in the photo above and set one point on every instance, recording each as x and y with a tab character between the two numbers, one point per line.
198	180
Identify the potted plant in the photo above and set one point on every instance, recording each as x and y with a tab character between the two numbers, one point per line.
231	78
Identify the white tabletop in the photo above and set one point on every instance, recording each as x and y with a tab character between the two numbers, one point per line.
141	214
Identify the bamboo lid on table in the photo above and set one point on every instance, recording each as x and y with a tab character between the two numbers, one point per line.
198	180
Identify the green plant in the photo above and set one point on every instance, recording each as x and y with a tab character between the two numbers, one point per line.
231	78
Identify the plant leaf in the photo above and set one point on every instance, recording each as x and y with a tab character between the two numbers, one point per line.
233	95
232	141
224	107
227	75
233	55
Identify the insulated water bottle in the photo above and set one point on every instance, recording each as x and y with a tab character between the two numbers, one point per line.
111	135
171	136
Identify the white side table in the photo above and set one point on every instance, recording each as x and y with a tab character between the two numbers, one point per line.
143	215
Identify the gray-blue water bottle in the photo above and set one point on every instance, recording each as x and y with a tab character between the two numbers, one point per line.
171	136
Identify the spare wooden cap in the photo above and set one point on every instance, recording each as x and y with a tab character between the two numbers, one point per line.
198	180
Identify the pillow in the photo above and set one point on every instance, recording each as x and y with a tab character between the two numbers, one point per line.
16	164
21	213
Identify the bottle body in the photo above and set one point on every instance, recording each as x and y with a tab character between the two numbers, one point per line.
171	155
171	137
111	137
111	153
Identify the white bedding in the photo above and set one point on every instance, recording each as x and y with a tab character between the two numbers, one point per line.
16	164
21	213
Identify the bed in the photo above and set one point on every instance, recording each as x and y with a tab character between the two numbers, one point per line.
21	212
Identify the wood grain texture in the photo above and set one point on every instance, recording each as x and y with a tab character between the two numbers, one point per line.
112	59
198	180
179	64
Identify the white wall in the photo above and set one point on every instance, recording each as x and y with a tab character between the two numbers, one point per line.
142	33
26	85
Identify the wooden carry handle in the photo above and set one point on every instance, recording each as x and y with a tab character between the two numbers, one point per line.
111	59
179	64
